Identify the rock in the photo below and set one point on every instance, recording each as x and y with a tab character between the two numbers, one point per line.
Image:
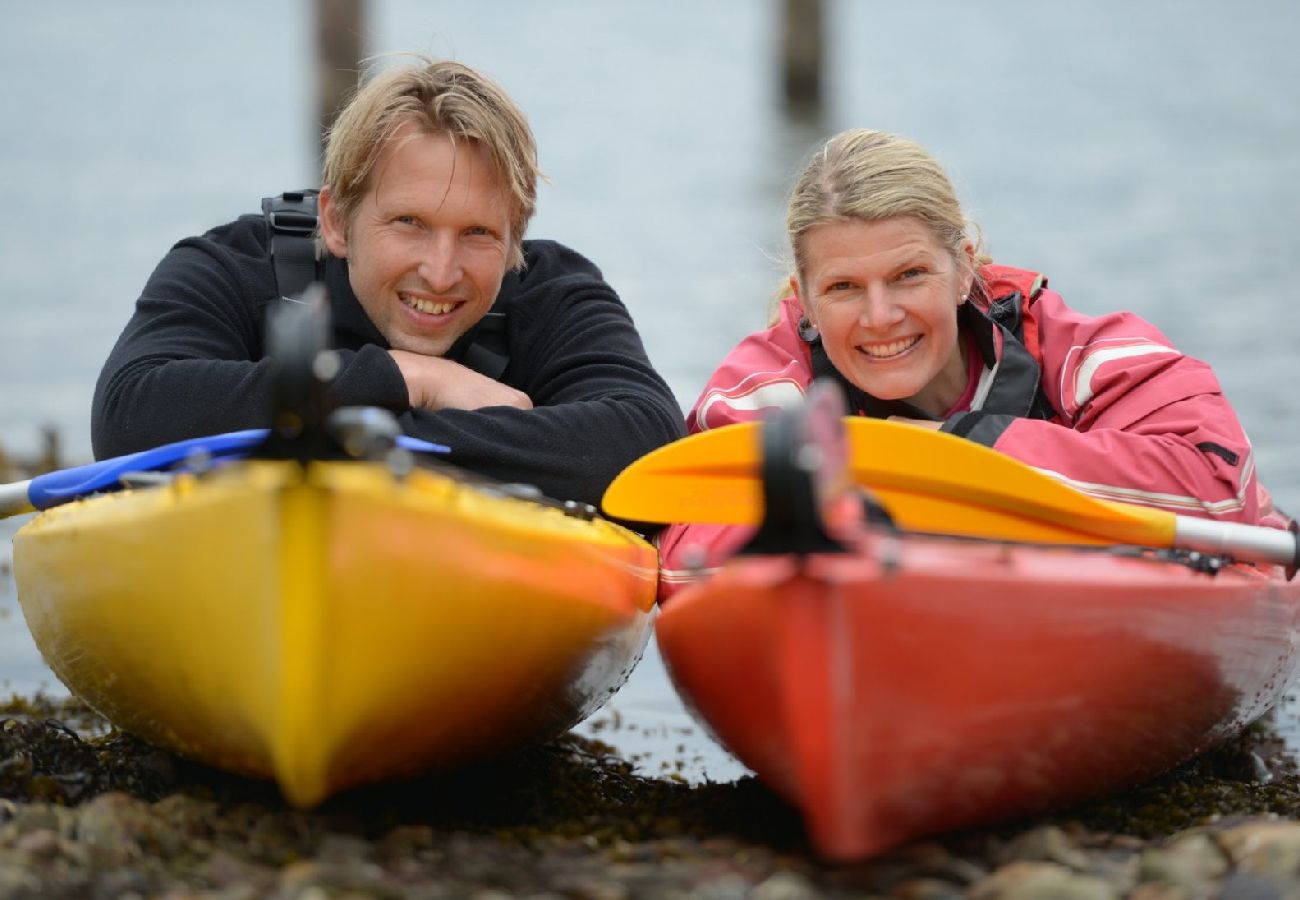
343	850
32	817
1191	861
41	844
932	860
1249	886
1264	848
1042	881
111	826
19	882
722	887
926	889
785	886
1154	890
297	877
1048	843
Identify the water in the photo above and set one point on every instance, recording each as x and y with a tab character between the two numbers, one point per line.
1145	156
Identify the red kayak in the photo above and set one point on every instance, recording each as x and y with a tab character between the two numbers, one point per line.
894	683
920	685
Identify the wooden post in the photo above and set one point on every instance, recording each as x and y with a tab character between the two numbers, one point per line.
51	458
340	39
801	55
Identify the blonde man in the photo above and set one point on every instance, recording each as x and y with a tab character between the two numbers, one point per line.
429	185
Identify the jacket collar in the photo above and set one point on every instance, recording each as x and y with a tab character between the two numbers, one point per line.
352	326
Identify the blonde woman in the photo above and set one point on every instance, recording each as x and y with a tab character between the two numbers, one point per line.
891	298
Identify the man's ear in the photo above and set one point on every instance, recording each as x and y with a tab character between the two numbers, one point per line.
332	227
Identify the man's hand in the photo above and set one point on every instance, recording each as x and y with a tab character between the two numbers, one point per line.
435	383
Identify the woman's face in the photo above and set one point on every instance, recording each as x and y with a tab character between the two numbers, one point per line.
884	295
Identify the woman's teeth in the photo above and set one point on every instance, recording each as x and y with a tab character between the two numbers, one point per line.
885	351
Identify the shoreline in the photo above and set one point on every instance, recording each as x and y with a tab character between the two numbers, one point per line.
86	810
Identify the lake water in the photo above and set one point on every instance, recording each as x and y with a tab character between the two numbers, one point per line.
1145	156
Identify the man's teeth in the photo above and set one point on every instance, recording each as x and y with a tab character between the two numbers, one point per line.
884	351
427	306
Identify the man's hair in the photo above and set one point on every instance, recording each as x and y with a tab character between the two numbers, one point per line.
439	98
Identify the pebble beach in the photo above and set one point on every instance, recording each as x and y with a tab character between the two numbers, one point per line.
89	812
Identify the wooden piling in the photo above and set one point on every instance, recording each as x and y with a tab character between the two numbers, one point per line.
51	458
340	47
802	49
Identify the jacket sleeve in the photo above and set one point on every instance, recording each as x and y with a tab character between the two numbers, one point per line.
1140	421
190	359
768	369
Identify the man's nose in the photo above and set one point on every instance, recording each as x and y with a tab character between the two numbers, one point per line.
440	263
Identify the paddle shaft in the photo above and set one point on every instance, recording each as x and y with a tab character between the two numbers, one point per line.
1249	543
14	500
52	488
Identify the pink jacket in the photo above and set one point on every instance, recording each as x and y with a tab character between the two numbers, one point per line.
1106	404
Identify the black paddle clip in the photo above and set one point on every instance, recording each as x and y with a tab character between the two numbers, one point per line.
807	477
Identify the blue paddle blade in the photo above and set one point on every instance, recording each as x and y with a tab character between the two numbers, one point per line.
54	488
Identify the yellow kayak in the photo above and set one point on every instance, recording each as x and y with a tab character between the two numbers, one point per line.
334	624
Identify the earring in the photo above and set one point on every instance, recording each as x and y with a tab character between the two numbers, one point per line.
807	330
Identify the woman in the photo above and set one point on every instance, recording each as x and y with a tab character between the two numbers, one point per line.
892	299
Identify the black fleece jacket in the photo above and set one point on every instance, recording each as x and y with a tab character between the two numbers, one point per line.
191	362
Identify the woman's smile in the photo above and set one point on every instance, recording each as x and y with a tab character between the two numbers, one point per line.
891	350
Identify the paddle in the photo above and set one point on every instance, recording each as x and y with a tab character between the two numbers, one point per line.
53	488
929	482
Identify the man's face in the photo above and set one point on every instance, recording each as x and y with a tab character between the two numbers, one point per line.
427	246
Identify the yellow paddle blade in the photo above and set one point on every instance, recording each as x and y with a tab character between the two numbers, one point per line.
929	481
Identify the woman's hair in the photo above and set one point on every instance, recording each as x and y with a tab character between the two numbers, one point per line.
439	98
867	175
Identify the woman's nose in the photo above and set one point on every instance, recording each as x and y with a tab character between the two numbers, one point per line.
879	311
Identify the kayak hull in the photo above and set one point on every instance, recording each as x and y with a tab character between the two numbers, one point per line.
333	625
922	685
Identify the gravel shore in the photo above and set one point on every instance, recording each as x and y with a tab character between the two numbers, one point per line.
87	812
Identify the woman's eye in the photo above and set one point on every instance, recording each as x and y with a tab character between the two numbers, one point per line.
405	220
911	273
839	286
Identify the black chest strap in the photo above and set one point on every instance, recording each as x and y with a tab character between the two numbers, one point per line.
291	219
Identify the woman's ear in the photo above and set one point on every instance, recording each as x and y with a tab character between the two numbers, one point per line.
333	229
968	271
794	292
807	325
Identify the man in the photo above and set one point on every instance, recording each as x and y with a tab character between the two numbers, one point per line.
430	181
